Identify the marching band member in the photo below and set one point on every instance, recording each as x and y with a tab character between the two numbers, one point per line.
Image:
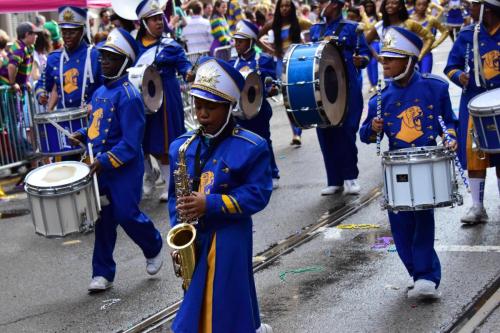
169	57
460	69
454	16
432	24
115	134
245	38
338	144
394	13
411	104
231	175
74	70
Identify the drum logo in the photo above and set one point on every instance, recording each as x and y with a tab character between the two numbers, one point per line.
491	64
63	142
206	182
93	131
411	124
71	80
491	128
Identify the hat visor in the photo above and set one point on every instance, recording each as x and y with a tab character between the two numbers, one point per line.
110	49
70	25
242	36
203	94
388	54
150	14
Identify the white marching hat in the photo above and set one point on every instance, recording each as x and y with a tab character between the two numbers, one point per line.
246	30
72	17
121	42
399	43
148	8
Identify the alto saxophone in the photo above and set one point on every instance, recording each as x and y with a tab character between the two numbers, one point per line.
181	237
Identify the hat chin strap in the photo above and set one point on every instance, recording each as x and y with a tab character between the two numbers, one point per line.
120	72
409	65
211	136
147	28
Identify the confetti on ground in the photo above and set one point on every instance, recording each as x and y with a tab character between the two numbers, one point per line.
392	248
392	287
281	157
358	226
109	302
382	243
72	242
300	271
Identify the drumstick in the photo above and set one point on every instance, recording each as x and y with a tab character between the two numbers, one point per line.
63	130
96	184
457	161
379	113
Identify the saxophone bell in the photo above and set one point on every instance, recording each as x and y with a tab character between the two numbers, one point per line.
181	239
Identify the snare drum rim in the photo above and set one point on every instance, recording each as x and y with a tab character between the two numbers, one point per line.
486	111
407	156
61	115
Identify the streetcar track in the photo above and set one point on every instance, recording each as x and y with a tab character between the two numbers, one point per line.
328	219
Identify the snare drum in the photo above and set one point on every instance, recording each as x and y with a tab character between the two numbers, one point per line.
251	97
62	198
315	84
50	140
419	178
485	112
148	81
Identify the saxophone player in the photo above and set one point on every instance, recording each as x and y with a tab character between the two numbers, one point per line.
231	180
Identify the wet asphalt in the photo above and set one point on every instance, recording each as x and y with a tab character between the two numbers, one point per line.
342	280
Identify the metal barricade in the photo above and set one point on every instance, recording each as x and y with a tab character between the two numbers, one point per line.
17	135
225	52
194	57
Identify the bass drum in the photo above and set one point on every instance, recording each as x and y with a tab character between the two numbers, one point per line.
315	85
148	81
251	97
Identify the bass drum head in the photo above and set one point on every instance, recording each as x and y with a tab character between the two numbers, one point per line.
333	84
152	89
252	95
57	174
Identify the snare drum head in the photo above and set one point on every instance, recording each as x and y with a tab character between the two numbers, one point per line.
333	84
487	101
252	95
57	174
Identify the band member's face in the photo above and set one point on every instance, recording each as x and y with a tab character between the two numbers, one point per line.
392	7
111	63
241	45
211	115
155	25
421	7
72	37
285	8
393	66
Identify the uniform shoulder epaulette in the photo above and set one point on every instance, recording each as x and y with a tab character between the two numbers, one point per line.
247	135
129	90
375	92
469	27
434	76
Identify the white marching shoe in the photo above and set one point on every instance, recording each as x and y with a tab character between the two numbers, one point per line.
329	190
351	186
264	328
153	265
99	283
475	214
424	290
164	197
149	183
276	183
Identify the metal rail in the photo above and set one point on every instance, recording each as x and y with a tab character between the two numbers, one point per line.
328	219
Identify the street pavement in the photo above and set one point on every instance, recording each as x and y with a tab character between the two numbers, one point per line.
342	280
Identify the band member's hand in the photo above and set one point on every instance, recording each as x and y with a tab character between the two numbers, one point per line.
95	167
452	144
358	60
43	99
76	138
28	86
16	87
377	125
464	79
193	206
273	91
190	76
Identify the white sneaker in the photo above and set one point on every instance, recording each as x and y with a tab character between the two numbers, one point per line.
150	181
329	190
351	186
164	197
424	290
264	328
276	183
99	283
410	284
475	215
153	265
